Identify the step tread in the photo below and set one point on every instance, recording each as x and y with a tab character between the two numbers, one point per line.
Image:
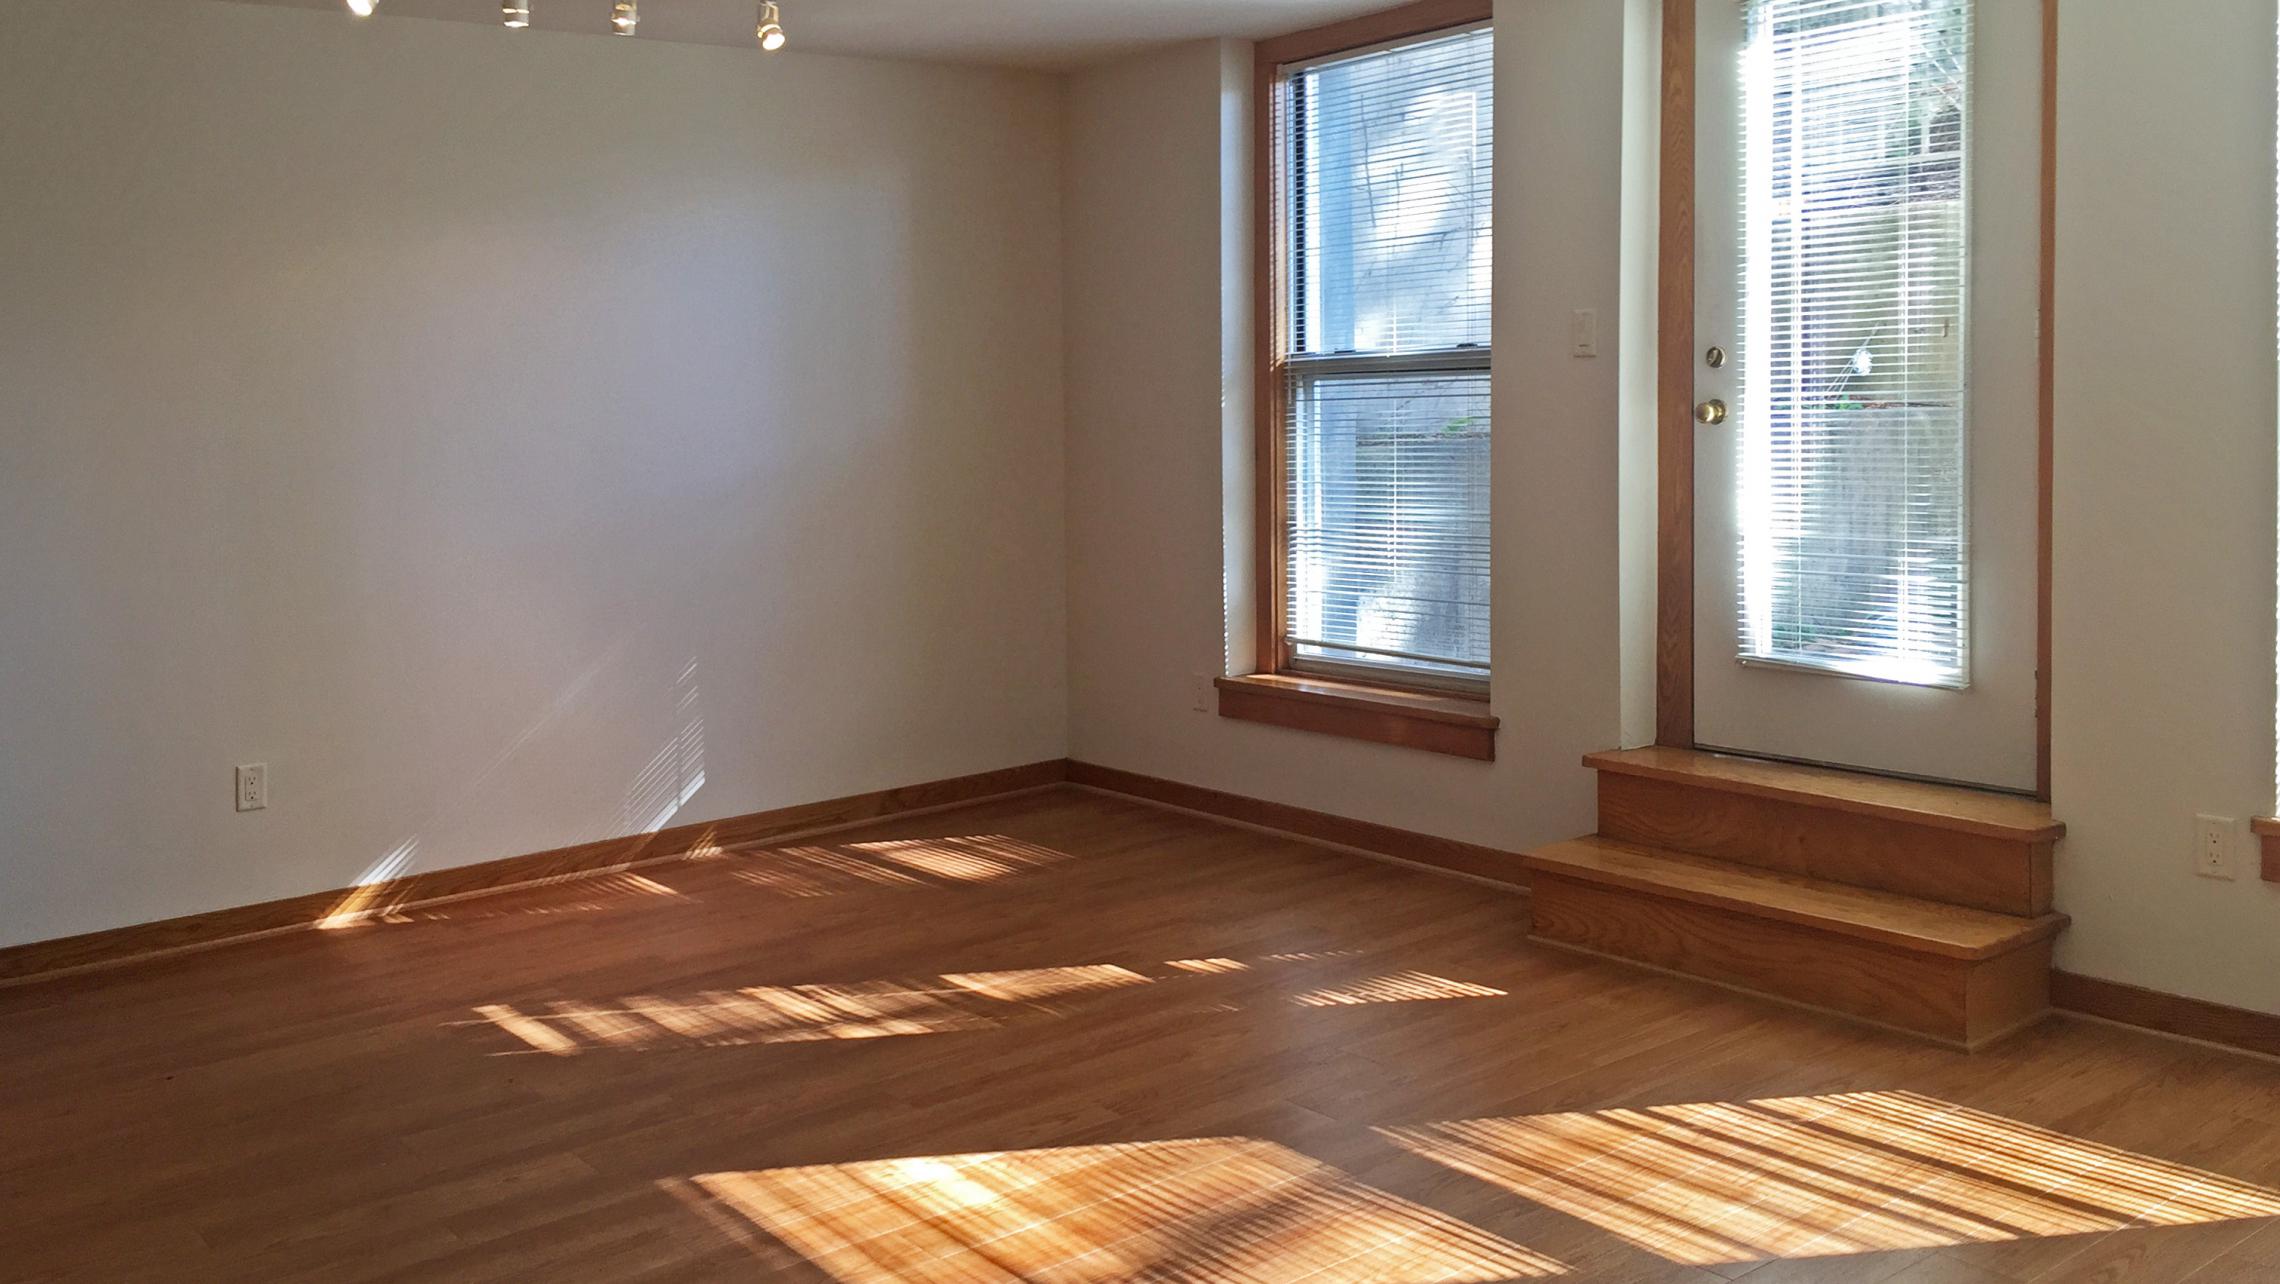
1952	807
1886	917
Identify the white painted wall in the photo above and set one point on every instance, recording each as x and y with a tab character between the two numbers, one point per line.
410	406
485	429
2162	586
1159	437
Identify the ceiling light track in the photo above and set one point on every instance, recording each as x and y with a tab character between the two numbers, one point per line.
625	15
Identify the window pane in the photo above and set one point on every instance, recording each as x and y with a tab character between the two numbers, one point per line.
1389	519
1389	188
1853	513
1383	172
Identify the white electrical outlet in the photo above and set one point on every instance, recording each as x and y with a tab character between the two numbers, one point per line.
2213	846
253	786
1205	693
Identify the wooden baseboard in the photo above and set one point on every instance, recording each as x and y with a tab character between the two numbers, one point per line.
2257	1032
1470	859
116	946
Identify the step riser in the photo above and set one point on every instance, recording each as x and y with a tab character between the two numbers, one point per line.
2001	875
1957	1002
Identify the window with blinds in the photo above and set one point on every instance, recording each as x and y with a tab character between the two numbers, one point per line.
1381	185
1853	494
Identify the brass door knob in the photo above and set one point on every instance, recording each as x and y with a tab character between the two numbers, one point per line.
1712	411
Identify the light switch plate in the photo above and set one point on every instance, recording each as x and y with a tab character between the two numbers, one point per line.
1583	332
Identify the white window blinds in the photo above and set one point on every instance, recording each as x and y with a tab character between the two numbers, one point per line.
1852	507
1382	184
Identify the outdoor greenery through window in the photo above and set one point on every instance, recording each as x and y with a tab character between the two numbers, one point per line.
1382	187
1853	514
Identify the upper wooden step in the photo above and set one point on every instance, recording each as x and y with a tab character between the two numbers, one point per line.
1903	922
1949	807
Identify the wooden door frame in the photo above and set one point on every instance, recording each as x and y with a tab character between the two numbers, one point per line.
1674	390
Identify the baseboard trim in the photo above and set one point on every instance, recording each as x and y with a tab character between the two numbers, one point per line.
115	947
2174	1014
1404	846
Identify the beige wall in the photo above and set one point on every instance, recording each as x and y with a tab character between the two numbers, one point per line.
1159	436
2162	590
492	431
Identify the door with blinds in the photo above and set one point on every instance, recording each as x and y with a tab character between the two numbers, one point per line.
1867	244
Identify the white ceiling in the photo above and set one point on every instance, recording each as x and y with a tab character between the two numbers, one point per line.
1049	34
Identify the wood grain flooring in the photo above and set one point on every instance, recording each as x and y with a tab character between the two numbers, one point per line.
1071	1037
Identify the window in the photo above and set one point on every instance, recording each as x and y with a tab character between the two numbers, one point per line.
1378	362
1855	529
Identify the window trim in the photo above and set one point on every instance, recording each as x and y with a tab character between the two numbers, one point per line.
1272	658
1460	726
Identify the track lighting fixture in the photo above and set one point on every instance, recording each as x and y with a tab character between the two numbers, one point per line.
625	15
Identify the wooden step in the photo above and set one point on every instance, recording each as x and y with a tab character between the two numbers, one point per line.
1941	843
1958	975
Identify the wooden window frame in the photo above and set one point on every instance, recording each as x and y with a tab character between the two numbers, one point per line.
1378	707
2267	830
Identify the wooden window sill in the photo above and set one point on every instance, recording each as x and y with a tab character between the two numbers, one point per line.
2268	837
1413	720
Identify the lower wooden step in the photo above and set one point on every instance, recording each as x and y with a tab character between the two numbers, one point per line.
1960	976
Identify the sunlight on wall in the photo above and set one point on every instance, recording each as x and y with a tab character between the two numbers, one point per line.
1213	1209
370	895
1723	1182
676	772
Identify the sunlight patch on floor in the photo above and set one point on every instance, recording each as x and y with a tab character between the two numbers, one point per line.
1214	1209
1725	1182
906	864
945	1004
595	893
1020	985
1397	987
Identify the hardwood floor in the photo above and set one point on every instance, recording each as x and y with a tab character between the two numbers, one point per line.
1070	1037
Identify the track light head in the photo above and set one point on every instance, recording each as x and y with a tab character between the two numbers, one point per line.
361	8
771	27
624	17
514	14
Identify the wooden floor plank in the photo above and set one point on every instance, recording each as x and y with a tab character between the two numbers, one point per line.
1071	1037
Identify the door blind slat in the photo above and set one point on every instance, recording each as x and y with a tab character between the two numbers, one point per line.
1855	530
